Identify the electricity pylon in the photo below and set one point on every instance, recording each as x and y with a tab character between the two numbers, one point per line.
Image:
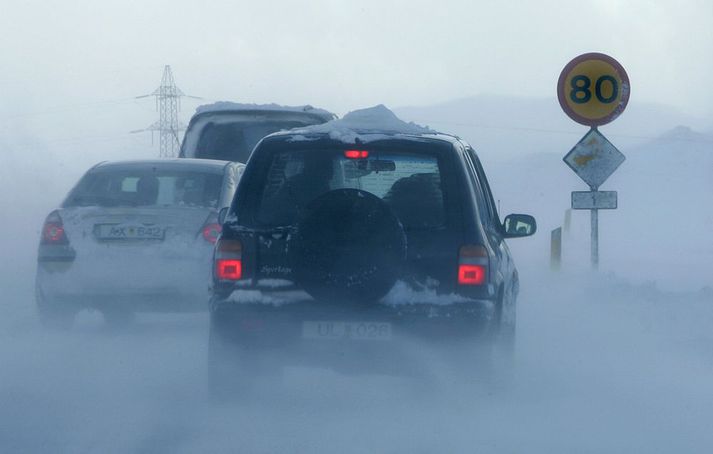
168	103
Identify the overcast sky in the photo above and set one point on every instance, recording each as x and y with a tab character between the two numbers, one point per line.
346	54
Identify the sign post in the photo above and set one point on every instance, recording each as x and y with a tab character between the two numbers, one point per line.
593	90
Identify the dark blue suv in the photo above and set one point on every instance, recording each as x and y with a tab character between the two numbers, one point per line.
340	245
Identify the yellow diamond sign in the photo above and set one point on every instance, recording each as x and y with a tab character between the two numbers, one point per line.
594	158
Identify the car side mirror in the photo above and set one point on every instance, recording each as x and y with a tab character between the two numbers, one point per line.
222	215
519	225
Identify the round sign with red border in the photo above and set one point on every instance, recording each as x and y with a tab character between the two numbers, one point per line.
593	89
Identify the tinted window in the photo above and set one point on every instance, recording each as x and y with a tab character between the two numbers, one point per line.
142	187
485	185
235	141
409	182
483	208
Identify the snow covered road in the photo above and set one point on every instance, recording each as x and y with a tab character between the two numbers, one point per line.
601	367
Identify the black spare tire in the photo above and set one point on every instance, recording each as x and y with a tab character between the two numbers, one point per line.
348	247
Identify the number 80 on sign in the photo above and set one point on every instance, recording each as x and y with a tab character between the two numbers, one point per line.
593	89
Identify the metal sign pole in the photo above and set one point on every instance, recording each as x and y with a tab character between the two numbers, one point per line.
593	158
595	236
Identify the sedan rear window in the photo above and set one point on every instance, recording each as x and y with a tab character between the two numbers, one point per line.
146	187
410	183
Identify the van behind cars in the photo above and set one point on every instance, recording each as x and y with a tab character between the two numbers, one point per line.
229	131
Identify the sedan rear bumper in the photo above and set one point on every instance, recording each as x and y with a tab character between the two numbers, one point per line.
149	285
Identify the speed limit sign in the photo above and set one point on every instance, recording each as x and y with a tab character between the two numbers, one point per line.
593	89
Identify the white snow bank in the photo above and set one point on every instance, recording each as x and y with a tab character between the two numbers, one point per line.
403	294
377	119
222	106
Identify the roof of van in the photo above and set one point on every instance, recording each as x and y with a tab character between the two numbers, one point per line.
226	106
362	126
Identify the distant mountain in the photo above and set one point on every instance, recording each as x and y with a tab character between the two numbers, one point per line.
684	133
504	127
664	221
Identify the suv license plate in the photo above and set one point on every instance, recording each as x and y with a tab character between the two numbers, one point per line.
335	330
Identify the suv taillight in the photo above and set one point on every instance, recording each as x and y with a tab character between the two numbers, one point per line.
472	265
228	260
53	230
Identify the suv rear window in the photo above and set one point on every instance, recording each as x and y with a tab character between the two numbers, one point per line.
144	187
410	183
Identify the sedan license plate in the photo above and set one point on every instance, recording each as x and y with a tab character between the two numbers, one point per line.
336	330
128	232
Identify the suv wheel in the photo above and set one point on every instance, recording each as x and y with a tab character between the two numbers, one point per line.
226	377
117	318
507	318
475	362
504	338
234	371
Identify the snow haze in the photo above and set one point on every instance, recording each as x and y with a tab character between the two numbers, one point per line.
614	361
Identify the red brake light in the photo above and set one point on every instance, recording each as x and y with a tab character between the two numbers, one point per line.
211	232
472	264
53	230
356	154
228	260
471	274
229	269
53	233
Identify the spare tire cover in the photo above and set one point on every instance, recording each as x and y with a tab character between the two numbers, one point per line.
348	246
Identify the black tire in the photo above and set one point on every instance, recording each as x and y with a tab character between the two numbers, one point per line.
54	314
224	374
456	364
473	361
118	318
504	345
349	246
506	319
235	370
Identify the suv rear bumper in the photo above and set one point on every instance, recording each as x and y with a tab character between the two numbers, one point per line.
285	324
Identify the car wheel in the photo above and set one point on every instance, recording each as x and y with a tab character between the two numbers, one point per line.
504	345
474	362
230	376
53	314
507	318
118	317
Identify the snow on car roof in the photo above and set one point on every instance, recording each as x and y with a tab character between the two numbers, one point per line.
185	163
375	122
227	106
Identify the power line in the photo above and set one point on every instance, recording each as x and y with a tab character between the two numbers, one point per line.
68	108
168	103
69	141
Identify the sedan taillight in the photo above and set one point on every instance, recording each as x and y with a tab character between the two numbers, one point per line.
211	232
53	230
